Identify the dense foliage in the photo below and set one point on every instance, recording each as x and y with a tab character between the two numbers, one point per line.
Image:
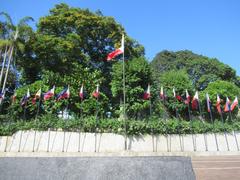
152	126
70	46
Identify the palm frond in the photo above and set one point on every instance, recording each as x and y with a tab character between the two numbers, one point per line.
8	18
24	21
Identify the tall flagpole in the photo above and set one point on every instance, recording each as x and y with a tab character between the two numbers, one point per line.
212	121
36	122
124	97
234	130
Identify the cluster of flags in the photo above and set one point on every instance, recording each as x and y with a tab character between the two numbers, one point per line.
64	94
195	100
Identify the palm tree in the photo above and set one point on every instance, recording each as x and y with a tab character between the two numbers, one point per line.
12	43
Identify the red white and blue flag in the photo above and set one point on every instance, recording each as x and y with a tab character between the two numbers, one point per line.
49	94
147	93
162	95
188	98
64	94
218	105
37	96
227	107
81	93
208	103
96	92
234	104
195	101
25	98
2	95
14	97
117	52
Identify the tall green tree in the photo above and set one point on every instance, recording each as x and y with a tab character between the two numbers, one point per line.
201	69
138	76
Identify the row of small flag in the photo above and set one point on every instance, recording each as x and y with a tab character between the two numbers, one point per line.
195	100
64	94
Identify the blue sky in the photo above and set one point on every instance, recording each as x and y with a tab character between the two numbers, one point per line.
207	27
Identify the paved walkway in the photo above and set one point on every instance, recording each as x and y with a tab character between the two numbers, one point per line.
217	167
96	168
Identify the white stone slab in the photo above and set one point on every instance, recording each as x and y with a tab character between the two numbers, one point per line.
201	142
108	142
189	141
88	142
162	143
141	143
211	141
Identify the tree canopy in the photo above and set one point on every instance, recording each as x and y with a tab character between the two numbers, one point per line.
201	69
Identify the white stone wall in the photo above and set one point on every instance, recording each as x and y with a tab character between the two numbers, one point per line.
59	141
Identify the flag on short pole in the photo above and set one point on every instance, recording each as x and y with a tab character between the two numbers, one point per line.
81	94
37	96
188	98
64	94
14	97
147	93
25	98
218	105
227	107
49	94
2	95
96	92
162	95
174	92
234	104
195	101
117	52
208	103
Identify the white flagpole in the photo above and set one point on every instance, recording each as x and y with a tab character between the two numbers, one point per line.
124	95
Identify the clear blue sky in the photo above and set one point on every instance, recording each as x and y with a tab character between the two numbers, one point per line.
207	27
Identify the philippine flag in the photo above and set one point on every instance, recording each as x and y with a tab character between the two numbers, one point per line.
188	98
234	104
162	96
49	94
37	96
96	92
81	94
117	52
218	105
25	98
195	101
64	94
147	93
208	103
227	107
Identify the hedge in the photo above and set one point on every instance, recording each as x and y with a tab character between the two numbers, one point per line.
133	127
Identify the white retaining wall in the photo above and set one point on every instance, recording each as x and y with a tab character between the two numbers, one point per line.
59	141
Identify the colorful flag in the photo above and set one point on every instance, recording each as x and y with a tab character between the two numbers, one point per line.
64	94
147	93
208	103
227	107
234	104
188	98
1	95
117	51
96	92
37	96
25	98
174	93
162	96
49	94
218	105
81	94
14	97
195	101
